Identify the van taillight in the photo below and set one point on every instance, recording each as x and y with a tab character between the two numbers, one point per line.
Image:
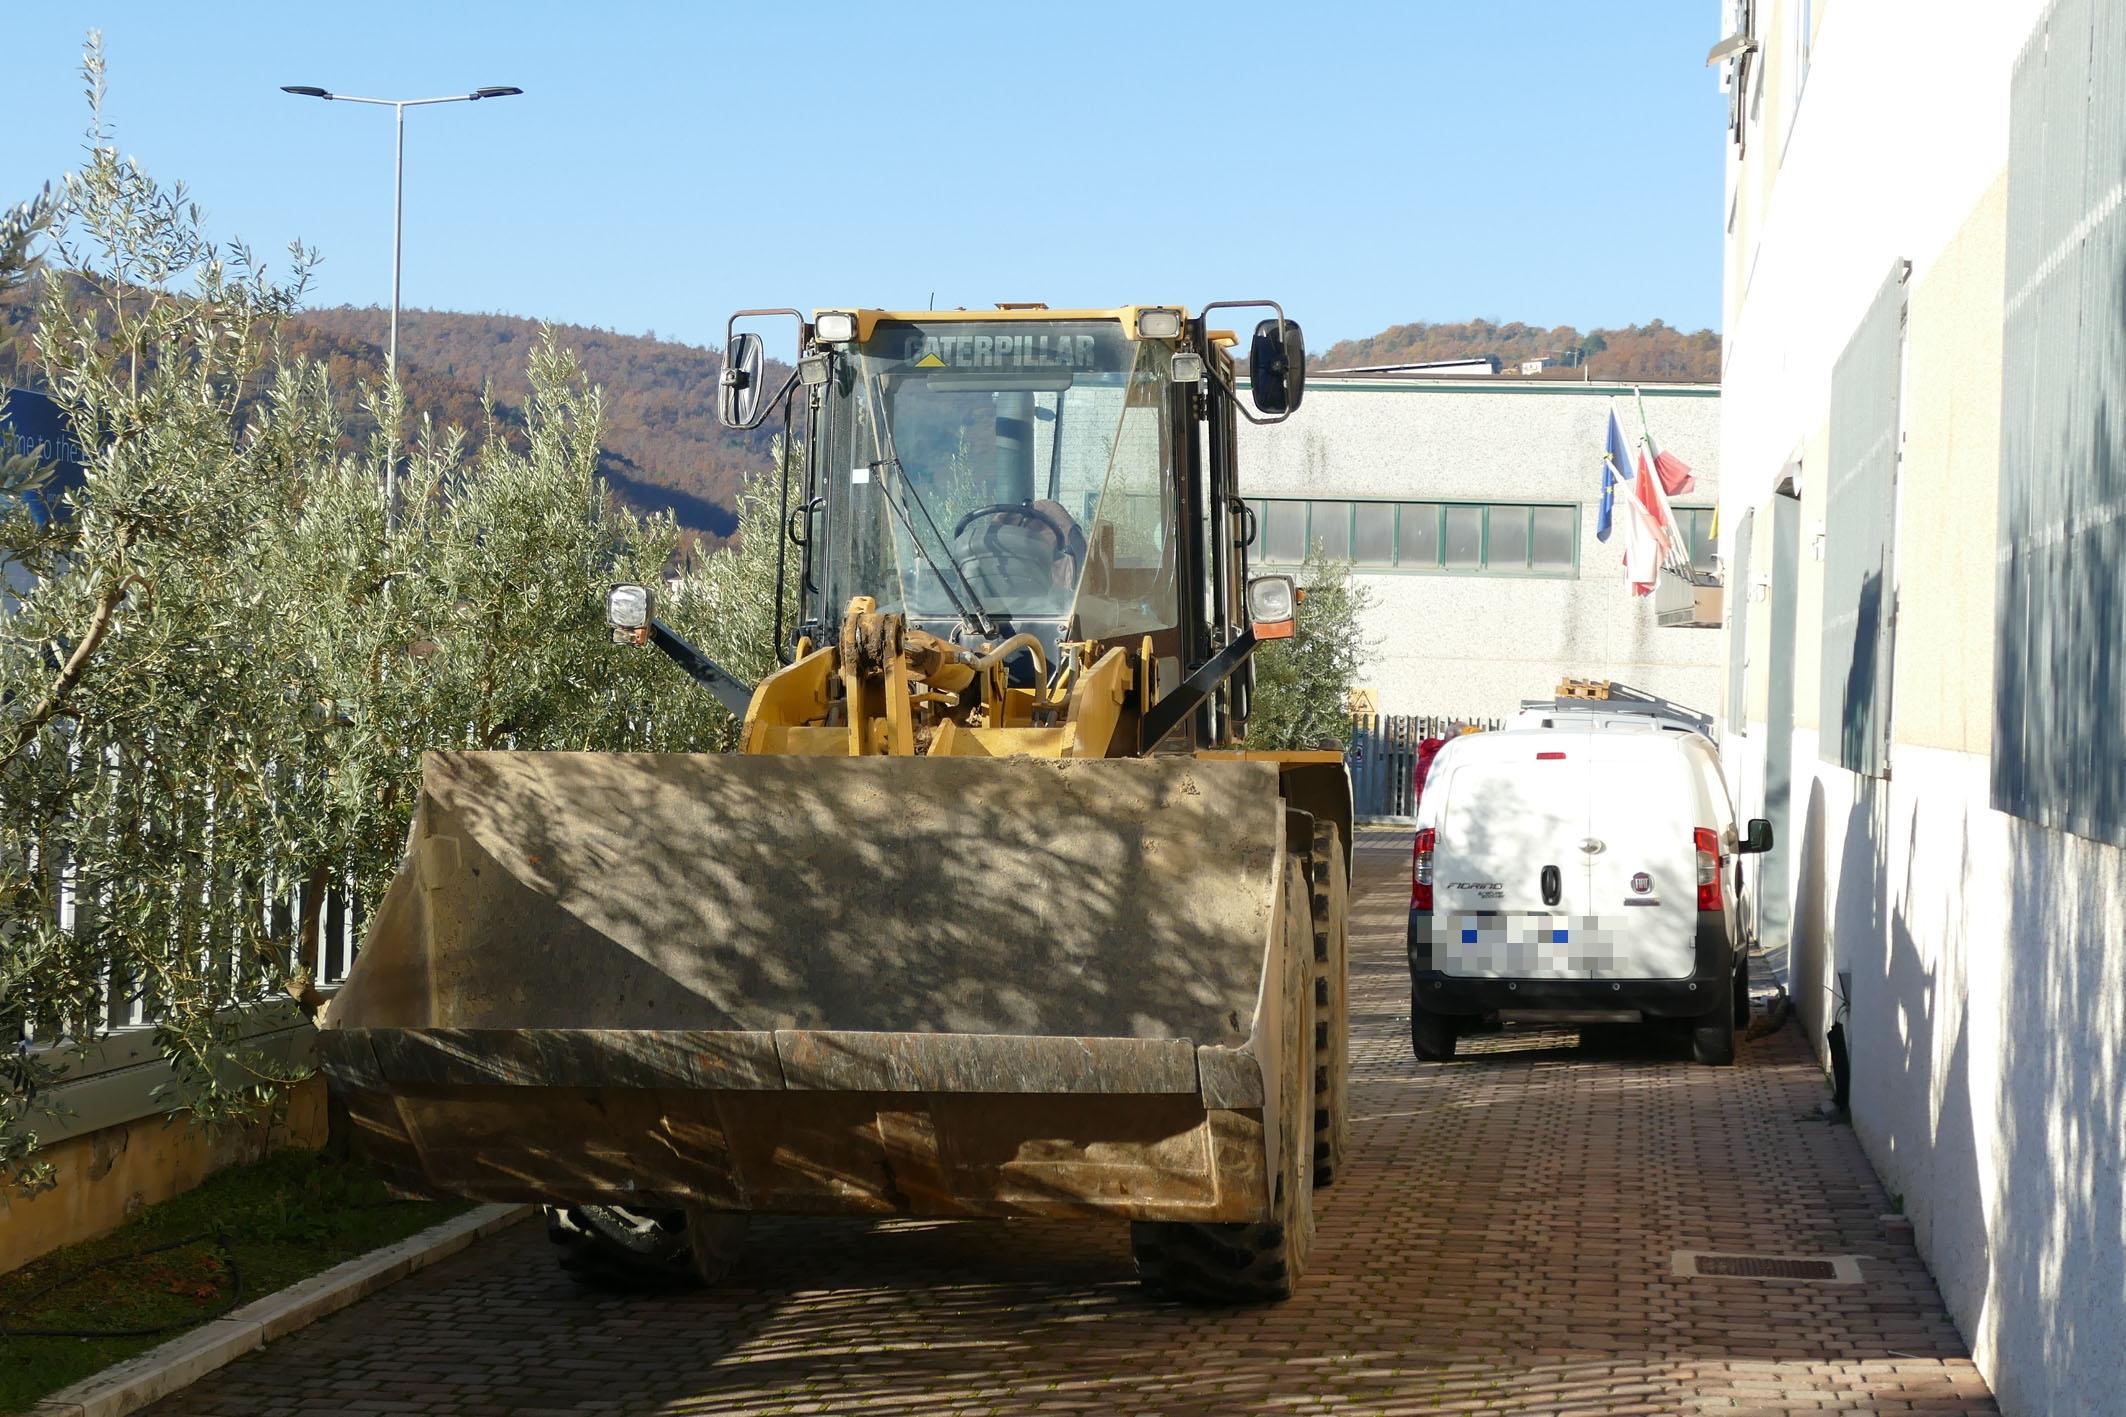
1421	870
1707	846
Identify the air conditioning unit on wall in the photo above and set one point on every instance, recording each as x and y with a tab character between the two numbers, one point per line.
1693	601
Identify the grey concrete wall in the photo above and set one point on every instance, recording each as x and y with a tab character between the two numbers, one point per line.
1476	644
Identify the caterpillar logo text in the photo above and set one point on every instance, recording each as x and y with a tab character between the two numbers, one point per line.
1002	351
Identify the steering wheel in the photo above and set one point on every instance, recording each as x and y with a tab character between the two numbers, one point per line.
1001	565
1017	509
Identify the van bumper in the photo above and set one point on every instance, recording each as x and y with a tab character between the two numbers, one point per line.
1441	993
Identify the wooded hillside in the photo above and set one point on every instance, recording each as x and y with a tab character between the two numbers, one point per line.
1651	353
663	448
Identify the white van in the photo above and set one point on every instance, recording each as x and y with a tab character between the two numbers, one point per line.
1574	867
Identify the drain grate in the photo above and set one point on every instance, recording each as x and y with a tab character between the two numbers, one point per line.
1822	1269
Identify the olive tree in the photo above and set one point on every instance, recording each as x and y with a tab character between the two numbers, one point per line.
228	654
1303	684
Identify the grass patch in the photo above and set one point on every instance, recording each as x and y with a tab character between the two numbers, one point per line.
280	1220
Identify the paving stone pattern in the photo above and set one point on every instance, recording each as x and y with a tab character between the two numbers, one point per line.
1500	1240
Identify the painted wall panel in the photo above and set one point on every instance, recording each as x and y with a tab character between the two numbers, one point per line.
2059	750
1948	490
1859	577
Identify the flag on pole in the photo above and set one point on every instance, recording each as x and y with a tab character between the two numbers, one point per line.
1675	552
1642	547
1675	474
1648	491
1616	468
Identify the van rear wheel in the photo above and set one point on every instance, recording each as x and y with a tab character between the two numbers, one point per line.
1712	1033
1432	1035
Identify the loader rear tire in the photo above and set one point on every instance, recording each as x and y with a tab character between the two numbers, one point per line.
1255	1262
1332	1003
612	1247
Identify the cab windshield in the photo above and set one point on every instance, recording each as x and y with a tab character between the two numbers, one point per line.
1008	469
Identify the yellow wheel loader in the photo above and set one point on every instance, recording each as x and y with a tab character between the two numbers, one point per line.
993	914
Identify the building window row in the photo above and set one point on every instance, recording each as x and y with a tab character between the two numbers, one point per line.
1696	524
1502	538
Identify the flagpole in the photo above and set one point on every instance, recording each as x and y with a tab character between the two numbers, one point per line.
1679	563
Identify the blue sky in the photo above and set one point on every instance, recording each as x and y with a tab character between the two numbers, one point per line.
1366	164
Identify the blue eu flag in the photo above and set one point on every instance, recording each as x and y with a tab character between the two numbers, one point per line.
1616	468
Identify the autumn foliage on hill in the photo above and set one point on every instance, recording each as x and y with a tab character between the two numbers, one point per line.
1649	353
662	449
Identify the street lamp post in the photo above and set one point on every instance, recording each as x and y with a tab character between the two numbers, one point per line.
398	106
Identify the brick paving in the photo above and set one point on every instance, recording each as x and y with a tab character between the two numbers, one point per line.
1499	1241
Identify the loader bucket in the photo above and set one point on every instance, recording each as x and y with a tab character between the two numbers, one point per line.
930	986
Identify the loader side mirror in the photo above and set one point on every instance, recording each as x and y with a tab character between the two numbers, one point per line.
738	393
1277	367
1759	839
1273	603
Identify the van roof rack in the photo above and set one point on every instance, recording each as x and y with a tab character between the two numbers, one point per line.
1593	697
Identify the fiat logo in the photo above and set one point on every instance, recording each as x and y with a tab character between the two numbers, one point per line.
1642	883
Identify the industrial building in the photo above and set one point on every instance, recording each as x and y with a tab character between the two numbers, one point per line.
1468	509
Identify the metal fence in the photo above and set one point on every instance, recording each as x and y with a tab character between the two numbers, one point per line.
1382	756
111	1069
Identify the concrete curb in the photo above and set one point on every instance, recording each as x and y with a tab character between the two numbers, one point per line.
184	1360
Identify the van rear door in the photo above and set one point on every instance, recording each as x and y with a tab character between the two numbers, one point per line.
1509	877
1642	869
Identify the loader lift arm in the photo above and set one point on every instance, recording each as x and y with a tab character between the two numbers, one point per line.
730	691
1187	696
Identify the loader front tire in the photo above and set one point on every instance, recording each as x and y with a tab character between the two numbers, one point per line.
714	1240
1256	1262
613	1247
1332	1003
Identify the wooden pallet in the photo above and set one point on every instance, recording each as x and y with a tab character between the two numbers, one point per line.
1584	689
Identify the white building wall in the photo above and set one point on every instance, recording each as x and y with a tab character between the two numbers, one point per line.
1473	644
1976	960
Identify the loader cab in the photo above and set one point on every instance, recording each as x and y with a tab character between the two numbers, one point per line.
992	476
1061	474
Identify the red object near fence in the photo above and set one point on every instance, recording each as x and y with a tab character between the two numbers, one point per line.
1427	750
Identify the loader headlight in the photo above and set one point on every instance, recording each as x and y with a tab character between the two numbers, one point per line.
1158	324
1272	605
627	607
1188	368
834	327
812	370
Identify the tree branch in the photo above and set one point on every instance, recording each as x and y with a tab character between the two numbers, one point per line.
70	673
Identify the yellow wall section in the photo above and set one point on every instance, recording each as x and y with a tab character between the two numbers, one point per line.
106	1176
1948	489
